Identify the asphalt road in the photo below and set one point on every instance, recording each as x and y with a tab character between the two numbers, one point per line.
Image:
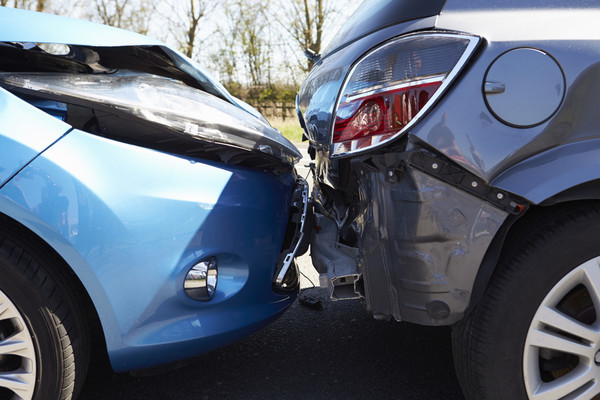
339	352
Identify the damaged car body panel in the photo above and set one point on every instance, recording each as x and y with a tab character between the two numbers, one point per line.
410	235
132	248
170	211
86	40
413	236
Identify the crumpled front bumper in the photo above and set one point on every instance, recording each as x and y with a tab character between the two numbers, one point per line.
295	241
420	232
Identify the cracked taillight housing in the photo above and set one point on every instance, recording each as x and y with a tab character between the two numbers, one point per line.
393	85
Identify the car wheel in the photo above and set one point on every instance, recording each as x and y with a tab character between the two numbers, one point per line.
43	345
536	332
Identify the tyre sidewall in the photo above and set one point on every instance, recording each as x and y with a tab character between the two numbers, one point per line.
32	304
512	301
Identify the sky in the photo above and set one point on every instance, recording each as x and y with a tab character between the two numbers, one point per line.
211	43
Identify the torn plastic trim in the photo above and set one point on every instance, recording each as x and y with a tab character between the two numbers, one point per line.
297	224
420	237
336	263
168	104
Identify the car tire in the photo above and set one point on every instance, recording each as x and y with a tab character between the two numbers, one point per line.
44	346
536	332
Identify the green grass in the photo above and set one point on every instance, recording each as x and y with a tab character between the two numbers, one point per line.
290	128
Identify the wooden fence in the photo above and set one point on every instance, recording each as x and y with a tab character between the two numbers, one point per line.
281	110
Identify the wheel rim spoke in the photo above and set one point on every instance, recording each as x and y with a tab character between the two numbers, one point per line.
551	340
556	319
17	352
7	309
21	383
591	280
3	309
562	337
16	348
583	381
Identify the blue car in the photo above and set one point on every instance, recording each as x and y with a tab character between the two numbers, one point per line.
142	207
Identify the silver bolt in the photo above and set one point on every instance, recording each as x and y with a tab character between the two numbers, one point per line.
474	184
500	196
391	173
435	166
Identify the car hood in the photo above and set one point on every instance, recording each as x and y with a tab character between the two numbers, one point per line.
26	26
103	48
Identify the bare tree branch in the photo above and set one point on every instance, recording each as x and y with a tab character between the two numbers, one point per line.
37	5
185	25
125	14
305	20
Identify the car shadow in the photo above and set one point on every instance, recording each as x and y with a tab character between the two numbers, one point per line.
339	352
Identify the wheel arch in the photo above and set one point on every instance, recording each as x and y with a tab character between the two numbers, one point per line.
12	228
565	176
516	227
564	173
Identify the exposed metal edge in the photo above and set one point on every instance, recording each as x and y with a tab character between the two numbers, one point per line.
288	261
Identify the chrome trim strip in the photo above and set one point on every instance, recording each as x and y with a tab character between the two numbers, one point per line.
401	85
469	50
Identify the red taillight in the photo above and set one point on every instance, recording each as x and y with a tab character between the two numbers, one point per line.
375	117
392	86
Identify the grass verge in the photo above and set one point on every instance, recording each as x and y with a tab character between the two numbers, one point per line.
289	127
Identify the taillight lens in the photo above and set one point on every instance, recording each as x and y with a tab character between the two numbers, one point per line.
392	86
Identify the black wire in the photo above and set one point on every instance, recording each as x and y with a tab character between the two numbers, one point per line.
310	280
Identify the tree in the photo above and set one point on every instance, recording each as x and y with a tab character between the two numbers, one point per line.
37	5
305	20
185	25
225	57
126	14
249	26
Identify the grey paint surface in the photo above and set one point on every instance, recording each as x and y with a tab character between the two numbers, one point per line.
530	86
477	133
418	240
546	145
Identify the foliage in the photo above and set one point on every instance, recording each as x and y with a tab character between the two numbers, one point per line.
276	92
248	26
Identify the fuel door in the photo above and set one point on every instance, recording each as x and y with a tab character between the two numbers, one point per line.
524	87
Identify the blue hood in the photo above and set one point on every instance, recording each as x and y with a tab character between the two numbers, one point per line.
27	26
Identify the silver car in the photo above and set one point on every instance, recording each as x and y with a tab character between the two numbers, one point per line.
457	182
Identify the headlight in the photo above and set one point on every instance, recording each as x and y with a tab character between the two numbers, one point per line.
392	86
168	103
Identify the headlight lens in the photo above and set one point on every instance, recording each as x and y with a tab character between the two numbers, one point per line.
392	86
168	103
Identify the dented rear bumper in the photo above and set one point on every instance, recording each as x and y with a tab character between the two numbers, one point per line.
411	241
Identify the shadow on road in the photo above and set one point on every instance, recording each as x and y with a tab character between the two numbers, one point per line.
339	352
